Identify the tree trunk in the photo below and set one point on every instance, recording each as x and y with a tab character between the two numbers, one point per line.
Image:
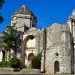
22	56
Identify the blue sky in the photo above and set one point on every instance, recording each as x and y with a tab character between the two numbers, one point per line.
47	11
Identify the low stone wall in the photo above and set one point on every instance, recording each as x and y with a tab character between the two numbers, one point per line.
23	71
2	70
30	70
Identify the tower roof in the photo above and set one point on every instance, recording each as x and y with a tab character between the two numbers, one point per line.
23	10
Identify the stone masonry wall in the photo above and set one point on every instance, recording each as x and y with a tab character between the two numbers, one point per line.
58	43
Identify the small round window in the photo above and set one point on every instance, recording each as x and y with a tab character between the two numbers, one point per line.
56	54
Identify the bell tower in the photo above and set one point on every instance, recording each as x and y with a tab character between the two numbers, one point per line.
23	19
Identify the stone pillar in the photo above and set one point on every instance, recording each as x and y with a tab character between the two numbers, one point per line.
72	51
44	51
74	38
22	56
42	63
73	31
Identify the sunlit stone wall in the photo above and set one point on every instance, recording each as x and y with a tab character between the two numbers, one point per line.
58	49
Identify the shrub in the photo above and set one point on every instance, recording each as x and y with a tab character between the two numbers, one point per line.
4	64
0	64
36	62
14	62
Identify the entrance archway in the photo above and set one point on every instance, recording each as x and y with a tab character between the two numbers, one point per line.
30	56
29	48
56	67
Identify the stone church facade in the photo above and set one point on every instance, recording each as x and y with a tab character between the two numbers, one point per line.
56	42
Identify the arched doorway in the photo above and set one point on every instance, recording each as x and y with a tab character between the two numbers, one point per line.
29	48
56	67
30	56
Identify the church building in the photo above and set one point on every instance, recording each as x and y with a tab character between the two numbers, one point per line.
57	42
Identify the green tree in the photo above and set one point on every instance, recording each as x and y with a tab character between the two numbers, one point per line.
10	38
36	62
2	47
1	4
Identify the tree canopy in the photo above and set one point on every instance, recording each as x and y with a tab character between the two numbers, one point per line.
10	38
1	4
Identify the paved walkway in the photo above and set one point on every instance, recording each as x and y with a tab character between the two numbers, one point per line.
9	71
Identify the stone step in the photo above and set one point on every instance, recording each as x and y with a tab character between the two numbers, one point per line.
27	70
